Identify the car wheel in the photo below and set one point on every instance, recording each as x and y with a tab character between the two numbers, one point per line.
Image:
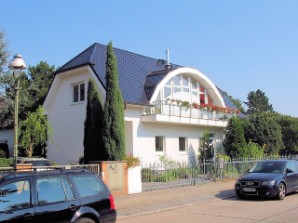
85	220
239	195
281	191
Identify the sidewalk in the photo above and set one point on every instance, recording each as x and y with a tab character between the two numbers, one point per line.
152	201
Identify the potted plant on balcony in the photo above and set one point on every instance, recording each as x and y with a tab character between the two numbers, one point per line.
185	104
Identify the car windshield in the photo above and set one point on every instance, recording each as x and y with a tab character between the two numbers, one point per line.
268	167
39	162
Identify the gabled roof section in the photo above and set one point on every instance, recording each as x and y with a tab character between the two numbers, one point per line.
132	70
138	75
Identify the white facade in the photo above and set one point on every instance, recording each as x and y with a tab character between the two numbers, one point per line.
141	129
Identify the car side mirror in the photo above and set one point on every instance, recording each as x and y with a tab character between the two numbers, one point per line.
289	170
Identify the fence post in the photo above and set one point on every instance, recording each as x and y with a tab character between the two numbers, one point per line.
204	170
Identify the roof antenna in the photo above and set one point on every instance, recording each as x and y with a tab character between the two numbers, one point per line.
168	58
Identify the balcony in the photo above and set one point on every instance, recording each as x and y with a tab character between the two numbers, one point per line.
188	114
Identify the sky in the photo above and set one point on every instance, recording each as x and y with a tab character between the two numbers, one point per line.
242	46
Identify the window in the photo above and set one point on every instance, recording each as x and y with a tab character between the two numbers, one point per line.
211	138
182	144
167	91
88	185
184	87
176	81
185	84
51	190
159	144
291	166
78	92
15	196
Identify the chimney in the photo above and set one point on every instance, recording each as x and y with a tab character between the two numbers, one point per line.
168	65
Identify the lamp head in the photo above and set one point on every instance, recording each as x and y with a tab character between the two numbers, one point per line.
17	64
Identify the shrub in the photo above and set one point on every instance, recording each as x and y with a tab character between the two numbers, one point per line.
132	161
6	162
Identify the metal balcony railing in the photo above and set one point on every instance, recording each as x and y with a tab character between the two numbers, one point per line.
188	111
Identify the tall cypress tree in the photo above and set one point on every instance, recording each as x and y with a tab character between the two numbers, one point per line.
93	143
113	131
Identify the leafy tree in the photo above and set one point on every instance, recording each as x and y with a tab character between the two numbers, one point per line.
4	121
41	77
238	103
3	52
265	131
34	131
289	129
113	135
206	148
254	150
7	112
33	90
234	142
258	102
93	142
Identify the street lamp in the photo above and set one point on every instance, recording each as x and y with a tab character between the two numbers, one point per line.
17	64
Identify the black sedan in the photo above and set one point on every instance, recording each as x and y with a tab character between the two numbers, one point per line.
269	178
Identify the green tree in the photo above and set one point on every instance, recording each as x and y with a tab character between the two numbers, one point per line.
113	135
93	142
41	77
258	102
234	142
238	103
4	120
206	149
33	90
3	52
7	112
35	131
265	131
289	129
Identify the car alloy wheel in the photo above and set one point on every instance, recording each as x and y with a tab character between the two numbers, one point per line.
281	191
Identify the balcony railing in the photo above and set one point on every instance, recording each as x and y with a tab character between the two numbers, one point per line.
188	112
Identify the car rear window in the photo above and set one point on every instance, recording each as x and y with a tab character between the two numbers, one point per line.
88	185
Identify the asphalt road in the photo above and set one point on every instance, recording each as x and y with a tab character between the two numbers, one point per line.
231	210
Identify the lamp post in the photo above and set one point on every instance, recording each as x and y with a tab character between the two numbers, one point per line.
17	64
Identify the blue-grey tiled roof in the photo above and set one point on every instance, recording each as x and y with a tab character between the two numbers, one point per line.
138	75
133	70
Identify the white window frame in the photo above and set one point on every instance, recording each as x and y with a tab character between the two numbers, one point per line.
80	99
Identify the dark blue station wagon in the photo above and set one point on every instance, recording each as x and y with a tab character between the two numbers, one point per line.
76	196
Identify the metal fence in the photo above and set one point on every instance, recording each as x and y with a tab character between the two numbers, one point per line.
158	175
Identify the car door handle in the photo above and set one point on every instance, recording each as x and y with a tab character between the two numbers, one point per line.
72	207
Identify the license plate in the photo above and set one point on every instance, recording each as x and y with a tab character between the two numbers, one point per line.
249	189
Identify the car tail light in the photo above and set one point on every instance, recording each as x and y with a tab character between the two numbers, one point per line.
112	202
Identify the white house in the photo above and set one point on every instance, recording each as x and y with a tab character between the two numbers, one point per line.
168	107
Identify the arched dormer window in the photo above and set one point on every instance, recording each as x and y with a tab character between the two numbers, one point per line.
185	84
184	88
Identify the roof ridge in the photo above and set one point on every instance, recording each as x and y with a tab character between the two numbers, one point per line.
130	52
78	55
